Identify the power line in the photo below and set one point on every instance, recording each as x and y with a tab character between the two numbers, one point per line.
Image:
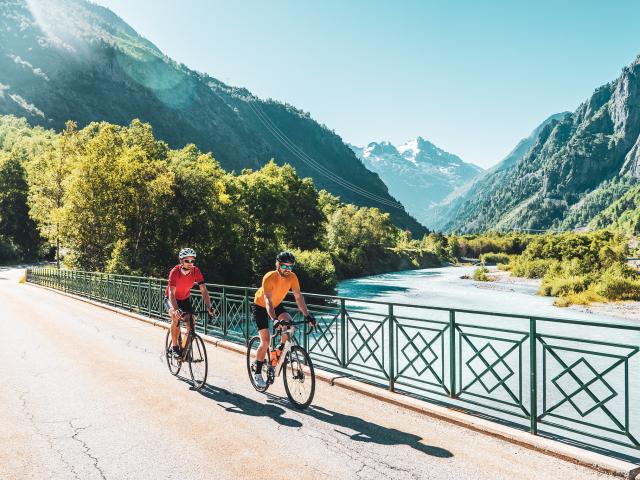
301	155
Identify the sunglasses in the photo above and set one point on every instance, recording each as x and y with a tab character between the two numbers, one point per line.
284	266
188	261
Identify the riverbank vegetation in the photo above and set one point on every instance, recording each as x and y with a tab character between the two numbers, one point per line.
577	268
116	199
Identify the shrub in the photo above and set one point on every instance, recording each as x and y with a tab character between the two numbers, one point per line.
563	286
582	298
522	267
618	283
493	258
480	274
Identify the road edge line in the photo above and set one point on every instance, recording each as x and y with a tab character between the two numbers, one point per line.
569	453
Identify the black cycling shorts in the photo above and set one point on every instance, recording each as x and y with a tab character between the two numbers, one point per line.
184	305
261	316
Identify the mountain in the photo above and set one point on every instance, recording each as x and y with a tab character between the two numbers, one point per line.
418	173
448	211
73	60
578	166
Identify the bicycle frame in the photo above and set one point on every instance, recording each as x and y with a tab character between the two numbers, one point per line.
191	332
287	347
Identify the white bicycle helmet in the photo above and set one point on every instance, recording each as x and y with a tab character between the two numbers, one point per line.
186	252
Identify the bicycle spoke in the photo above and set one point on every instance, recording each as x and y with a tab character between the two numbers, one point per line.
299	384
197	359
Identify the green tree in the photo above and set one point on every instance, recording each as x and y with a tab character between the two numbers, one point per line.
116	191
202	215
15	224
277	210
47	178
359	239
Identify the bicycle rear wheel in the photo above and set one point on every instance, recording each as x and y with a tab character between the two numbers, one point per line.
299	377
252	348
174	364
197	359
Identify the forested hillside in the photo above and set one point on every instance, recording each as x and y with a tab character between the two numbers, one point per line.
73	60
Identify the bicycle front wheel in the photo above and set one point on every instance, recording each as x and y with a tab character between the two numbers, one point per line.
299	377
174	364
198	365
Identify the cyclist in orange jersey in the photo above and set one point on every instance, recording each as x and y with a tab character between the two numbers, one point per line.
268	305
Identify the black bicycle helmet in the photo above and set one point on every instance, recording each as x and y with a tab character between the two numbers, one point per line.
286	257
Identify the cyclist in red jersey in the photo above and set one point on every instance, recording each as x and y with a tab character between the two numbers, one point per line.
177	300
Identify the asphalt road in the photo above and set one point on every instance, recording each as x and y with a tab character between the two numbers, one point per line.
86	395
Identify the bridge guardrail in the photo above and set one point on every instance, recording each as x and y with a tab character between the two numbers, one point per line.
568	379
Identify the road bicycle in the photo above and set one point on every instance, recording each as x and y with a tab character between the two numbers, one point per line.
299	377
194	353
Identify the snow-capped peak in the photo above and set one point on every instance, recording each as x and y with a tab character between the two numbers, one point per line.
411	149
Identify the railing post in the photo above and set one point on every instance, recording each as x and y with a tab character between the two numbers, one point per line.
452	353
205	323
160	306
343	334
392	350
224	310
247	315
305	337
533	367
149	298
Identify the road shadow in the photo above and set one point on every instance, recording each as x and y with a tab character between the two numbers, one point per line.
236	403
365	431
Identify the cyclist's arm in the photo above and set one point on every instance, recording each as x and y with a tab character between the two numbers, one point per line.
172	298
269	305
302	306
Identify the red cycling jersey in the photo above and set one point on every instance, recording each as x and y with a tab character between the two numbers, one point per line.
182	282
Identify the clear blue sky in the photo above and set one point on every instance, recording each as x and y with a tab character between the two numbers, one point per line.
473	77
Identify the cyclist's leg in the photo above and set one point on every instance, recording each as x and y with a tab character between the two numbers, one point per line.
265	338
175	321
286	317
261	318
187	308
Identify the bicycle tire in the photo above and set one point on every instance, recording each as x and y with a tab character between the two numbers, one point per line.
253	345
174	364
299	395
198	363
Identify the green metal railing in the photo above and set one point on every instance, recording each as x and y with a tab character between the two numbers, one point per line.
569	379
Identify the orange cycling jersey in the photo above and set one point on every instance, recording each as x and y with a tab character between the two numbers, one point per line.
278	286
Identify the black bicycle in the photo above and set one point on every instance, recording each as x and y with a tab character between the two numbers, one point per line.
299	378
194	353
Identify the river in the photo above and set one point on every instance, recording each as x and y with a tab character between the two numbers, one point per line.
443	287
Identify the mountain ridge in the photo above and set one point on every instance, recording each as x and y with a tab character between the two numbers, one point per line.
574	170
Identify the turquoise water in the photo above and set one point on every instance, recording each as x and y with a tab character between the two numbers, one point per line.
443	287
